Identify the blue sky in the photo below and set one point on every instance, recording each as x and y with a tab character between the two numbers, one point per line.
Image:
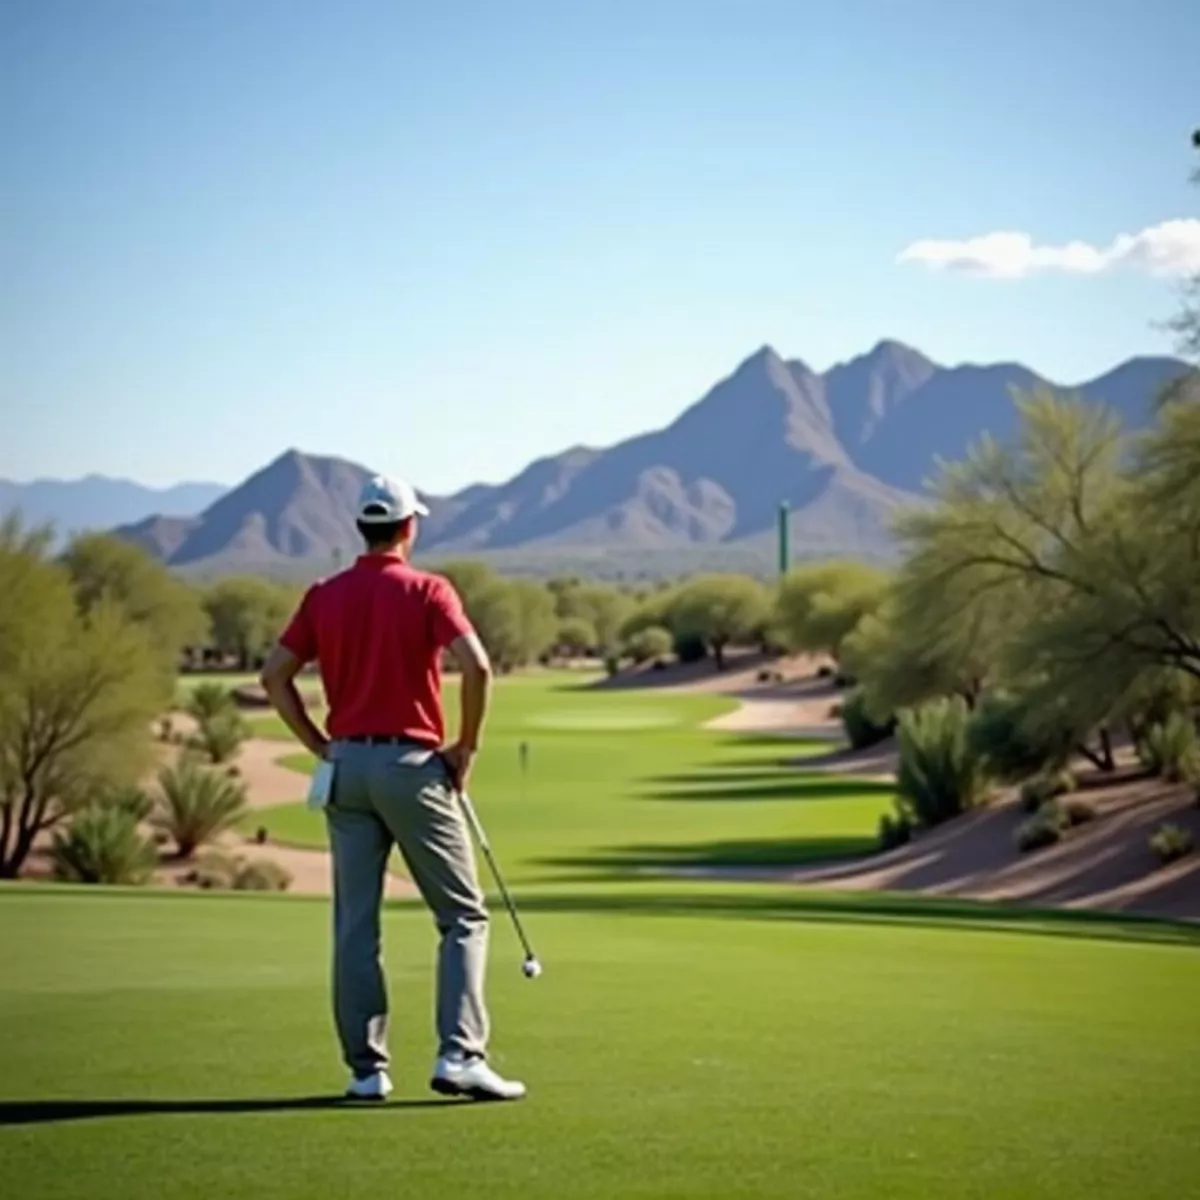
445	239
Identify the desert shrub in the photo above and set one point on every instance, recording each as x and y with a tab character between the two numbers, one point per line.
1036	791
861	729
215	870
1013	746
1170	748
1170	842
1078	811
196	805
102	845
576	636
940	775
220	737
652	642
135	801
894	831
210	700
690	648
262	876
1044	828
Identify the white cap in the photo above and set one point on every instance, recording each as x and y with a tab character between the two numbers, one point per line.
383	501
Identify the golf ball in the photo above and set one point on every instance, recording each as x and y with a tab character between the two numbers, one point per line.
532	968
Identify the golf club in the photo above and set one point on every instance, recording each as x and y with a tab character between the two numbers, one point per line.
531	966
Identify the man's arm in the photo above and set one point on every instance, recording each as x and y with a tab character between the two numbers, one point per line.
279	682
476	668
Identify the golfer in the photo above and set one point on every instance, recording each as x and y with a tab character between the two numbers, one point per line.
377	632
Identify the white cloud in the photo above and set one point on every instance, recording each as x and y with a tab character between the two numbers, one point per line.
1169	248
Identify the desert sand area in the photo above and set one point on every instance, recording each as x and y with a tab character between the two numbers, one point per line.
1101	866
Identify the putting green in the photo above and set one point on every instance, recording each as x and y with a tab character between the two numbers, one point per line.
605	720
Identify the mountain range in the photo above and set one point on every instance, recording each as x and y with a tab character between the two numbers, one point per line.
98	502
845	449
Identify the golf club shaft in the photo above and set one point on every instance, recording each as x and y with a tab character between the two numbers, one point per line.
485	846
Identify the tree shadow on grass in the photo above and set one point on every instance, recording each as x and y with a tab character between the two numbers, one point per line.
625	861
767	785
41	1112
876	909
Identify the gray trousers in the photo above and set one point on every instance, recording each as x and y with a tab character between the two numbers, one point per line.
401	794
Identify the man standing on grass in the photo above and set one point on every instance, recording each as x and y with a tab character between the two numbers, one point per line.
377	631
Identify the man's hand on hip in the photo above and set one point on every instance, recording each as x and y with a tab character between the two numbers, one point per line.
460	758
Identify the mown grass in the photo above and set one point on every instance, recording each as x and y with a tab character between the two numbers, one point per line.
628	783
690	1038
180	1046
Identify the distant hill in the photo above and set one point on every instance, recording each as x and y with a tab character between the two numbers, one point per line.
846	449
97	502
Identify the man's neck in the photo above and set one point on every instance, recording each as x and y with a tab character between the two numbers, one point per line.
397	552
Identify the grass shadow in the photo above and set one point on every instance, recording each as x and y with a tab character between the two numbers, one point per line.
793	785
623	861
45	1112
814	906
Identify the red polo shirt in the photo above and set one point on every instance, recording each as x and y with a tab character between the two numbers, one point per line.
377	631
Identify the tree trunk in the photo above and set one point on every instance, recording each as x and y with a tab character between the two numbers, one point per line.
1106	750
719	655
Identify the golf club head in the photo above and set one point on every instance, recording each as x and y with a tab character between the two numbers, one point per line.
531	967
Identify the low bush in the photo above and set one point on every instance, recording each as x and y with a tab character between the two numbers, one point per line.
215	870
1042	829
649	643
220	737
1015	747
1036	791
1171	748
196	805
689	648
262	876
102	845
861	729
135	801
894	831
1078	811
939	776
210	700
1170	842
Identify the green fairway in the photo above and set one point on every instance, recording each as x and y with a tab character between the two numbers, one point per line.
618	785
682	1043
690	1038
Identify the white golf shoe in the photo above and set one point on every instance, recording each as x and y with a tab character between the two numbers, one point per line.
473	1078
370	1087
